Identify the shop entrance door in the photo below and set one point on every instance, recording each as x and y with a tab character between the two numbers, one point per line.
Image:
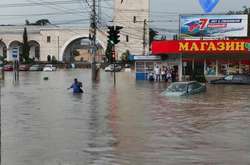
198	67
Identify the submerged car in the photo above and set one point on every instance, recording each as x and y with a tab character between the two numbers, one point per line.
24	67
49	68
36	67
113	67
8	67
233	79
184	88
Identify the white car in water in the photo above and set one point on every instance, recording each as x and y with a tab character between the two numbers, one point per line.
113	67
49	68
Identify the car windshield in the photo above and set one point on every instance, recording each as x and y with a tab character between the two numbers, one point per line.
177	87
230	77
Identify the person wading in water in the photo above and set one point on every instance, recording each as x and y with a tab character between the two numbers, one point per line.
76	86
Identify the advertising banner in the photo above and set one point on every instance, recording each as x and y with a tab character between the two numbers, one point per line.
201	46
213	26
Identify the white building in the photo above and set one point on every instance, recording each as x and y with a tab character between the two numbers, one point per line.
133	15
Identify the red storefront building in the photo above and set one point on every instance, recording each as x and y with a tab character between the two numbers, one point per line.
214	58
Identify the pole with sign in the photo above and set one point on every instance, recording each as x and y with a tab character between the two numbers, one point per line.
15	58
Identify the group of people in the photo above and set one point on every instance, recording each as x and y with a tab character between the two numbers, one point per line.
166	74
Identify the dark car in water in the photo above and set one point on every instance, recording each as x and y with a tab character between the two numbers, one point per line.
184	88
243	79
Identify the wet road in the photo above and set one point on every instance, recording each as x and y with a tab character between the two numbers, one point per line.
43	123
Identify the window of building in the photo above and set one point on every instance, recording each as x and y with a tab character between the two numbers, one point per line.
210	68
233	67
134	19
127	39
48	39
222	67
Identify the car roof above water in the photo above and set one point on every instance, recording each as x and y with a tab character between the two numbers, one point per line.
185	82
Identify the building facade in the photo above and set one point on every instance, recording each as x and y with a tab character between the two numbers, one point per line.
133	16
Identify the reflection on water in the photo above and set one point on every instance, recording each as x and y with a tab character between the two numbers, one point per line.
43	123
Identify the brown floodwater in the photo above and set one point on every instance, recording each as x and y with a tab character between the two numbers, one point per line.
43	123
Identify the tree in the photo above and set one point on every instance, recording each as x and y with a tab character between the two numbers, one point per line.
42	22
53	60
245	10
124	56
26	48
27	22
108	52
152	34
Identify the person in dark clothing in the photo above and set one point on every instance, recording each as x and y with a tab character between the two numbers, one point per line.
76	86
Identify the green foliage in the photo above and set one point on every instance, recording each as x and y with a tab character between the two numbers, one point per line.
124	56
245	10
26	48
108	52
152	34
54	61
40	22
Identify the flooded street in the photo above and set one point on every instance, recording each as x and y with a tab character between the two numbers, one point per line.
43	123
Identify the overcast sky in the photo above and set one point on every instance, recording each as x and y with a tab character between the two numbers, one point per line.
164	13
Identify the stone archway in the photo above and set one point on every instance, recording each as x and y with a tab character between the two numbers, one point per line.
34	52
66	47
12	45
3	49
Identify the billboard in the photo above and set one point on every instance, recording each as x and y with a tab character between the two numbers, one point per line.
202	47
213	26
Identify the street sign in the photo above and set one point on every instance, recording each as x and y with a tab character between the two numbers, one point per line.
15	53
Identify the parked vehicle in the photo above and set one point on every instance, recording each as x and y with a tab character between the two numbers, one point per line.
36	67
113	67
8	67
184	88
243	79
24	67
49	68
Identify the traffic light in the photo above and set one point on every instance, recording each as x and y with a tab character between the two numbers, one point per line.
113	34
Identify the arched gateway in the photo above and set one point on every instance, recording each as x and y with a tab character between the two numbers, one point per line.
43	40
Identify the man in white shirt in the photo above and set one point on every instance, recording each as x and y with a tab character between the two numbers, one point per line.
157	73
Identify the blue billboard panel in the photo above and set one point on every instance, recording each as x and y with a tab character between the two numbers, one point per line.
213	26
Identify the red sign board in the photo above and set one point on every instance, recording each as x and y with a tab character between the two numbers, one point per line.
201	46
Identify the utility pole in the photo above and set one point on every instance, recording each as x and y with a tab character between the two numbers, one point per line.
58	48
99	11
92	37
0	122
144	44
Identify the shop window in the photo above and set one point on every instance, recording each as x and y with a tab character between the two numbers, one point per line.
127	39
48	39
149	67
187	68
210	68
134	19
233	68
140	67
245	67
222	68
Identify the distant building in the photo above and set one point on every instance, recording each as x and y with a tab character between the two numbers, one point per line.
133	15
